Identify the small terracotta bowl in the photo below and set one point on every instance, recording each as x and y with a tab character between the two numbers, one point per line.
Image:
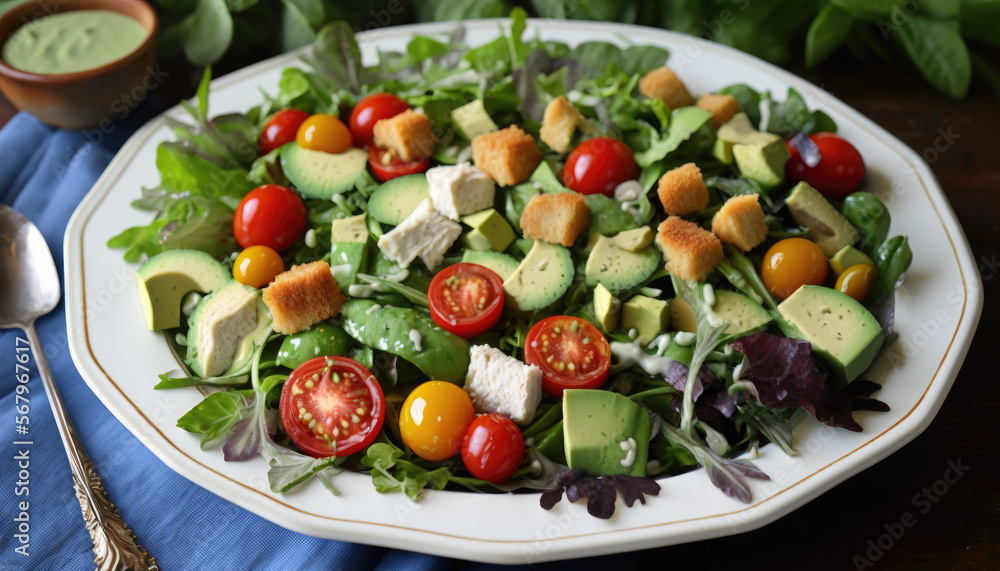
89	98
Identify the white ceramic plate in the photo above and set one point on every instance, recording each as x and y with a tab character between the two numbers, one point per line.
938	310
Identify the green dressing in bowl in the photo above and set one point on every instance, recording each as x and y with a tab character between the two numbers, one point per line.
73	41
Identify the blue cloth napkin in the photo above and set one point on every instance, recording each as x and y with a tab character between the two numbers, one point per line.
44	173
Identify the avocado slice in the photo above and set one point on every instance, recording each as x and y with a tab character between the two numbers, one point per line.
321	175
542	277
501	264
745	315
607	308
397	198
827	227
635	239
604	433
167	277
844	335
648	316
846	257
224	328
490	231
472	119
759	156
613	264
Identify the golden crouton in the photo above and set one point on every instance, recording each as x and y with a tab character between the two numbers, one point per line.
409	134
740	222
722	107
663	83
557	218
559	124
509	155
302	297
682	190
691	251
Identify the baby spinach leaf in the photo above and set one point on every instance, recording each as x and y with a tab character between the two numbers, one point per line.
827	32
939	52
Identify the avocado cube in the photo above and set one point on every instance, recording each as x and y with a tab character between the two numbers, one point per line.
604	433
764	163
490	231
607	308
648	316
723	151
635	239
827	227
846	257
350	229
844	335
472	119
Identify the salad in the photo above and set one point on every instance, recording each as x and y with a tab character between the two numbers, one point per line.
518	266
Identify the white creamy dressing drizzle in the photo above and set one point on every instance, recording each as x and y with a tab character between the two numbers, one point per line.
190	302
629	193
416	338
360	290
629	447
310	238
684	338
628	354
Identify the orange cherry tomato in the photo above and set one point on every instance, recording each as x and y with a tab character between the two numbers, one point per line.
257	265
792	263
326	133
856	281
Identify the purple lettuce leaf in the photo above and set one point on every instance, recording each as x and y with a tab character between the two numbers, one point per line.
859	392
707	384
249	435
601	491
781	373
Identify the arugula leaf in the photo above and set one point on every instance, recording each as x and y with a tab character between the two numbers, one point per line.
684	122
392	474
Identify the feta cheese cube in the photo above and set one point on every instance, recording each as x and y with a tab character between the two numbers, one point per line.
499	383
457	190
425	233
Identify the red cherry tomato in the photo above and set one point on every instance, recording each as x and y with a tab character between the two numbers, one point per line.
270	215
332	406
387	165
840	169
466	299
280	129
571	353
598	165
371	110
493	448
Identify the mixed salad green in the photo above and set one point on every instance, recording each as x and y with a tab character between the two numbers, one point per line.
705	371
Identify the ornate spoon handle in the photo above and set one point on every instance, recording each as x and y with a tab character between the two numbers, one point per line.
115	545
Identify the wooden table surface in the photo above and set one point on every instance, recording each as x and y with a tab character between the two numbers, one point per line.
961	528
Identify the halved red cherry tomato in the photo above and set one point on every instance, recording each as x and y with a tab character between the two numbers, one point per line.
493	448
257	265
270	215
598	165
387	165
370	110
280	129
791	263
332	406
323	132
571	353
434	419
840	169
466	299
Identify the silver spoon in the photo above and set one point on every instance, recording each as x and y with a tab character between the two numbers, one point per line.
29	288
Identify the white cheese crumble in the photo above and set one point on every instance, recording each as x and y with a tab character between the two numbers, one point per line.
416	338
630	452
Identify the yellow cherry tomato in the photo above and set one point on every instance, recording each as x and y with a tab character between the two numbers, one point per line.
322	132
856	281
257	265
434	420
792	263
